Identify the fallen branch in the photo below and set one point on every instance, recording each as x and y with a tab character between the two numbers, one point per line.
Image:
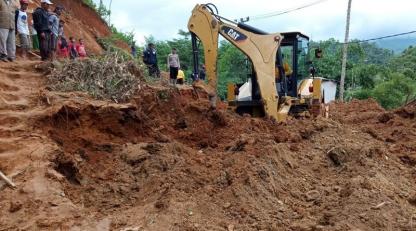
34	54
7	180
379	206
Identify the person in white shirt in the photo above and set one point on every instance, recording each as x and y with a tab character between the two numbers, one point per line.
22	26
174	65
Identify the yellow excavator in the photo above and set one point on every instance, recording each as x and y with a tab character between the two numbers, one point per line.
272	89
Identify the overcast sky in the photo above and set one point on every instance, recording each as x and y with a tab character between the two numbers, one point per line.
370	18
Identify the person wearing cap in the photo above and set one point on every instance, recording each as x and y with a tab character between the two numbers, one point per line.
41	24
54	25
22	27
7	31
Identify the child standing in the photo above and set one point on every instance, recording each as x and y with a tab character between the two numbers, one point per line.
81	49
34	35
22	27
63	51
73	54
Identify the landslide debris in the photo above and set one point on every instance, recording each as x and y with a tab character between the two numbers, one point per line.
167	154
110	77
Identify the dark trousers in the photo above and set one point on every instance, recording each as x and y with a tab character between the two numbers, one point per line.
173	72
44	44
153	70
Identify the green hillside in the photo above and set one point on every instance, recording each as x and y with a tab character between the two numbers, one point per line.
398	45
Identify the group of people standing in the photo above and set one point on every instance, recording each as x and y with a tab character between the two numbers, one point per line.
176	74
46	34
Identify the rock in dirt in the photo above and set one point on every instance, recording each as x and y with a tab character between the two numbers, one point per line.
181	124
15	206
162	204
227	205
337	156
132	229
153	148
239	145
68	169
162	138
411	161
52	174
312	195
385	117
218	118
135	158
412	200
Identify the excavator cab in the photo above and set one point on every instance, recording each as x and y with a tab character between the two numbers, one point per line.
291	67
294	51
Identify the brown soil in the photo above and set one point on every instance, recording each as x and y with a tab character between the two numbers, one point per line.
165	162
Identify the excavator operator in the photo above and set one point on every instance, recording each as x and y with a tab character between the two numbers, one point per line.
286	67
287	71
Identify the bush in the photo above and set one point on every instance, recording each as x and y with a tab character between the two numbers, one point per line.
396	92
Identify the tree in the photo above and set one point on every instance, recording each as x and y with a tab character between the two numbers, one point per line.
405	63
396	92
103	11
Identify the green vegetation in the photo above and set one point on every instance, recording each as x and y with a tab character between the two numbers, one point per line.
90	3
392	85
371	71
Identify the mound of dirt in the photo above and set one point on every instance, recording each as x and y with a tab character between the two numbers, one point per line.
174	164
395	128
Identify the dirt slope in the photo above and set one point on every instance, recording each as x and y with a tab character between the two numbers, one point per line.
164	162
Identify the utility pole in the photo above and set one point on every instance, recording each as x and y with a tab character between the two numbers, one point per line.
345	53
109	15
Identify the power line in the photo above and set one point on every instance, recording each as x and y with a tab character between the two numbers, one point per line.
371	39
278	13
383	37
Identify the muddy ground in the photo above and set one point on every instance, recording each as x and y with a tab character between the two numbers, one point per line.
165	162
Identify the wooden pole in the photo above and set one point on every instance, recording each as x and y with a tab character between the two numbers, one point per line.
109	15
7	180
345	54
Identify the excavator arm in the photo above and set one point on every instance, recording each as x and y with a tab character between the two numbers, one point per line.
260	48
